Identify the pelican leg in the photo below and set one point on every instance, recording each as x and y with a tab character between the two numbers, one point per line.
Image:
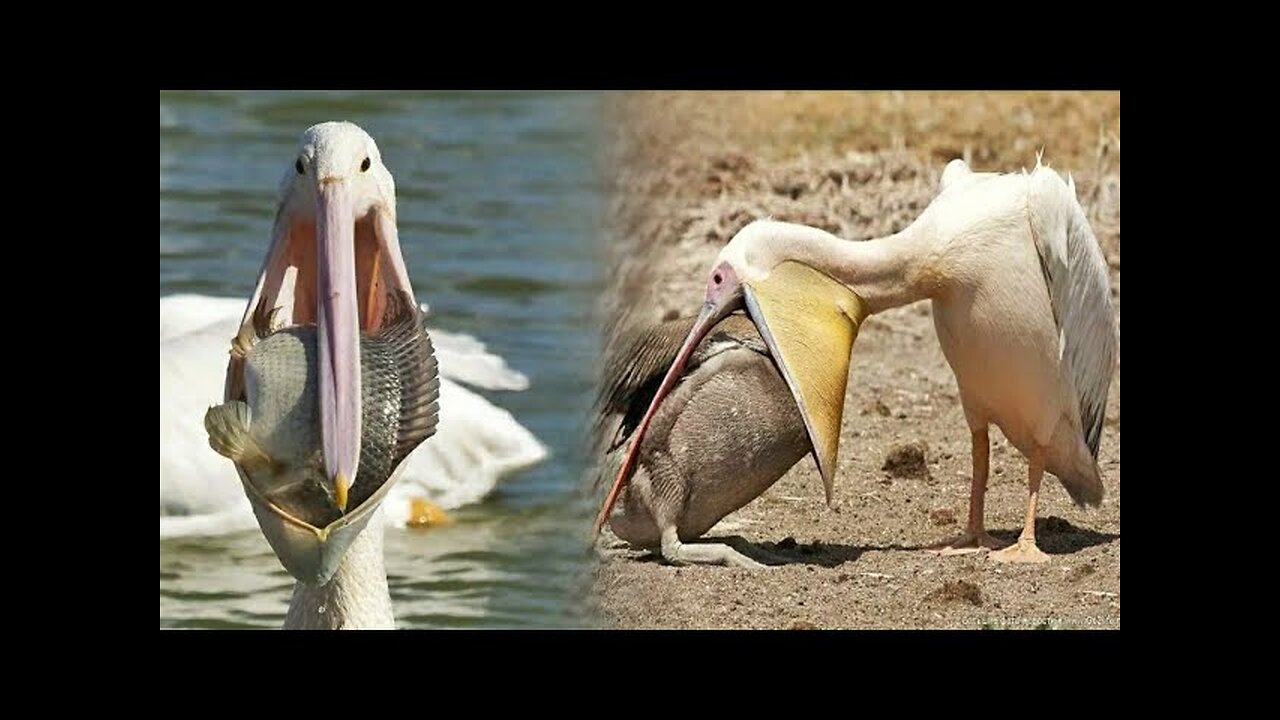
1025	550
975	537
678	553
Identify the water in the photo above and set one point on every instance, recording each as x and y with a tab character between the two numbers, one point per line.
498	206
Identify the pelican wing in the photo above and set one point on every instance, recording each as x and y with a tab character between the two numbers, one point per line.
635	366
187	313
470	362
638	360
1080	292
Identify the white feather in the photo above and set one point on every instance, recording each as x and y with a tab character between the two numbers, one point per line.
1079	287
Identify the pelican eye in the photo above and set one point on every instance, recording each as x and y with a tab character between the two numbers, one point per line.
716	278
297	165
364	166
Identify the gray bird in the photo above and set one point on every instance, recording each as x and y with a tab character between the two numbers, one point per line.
724	434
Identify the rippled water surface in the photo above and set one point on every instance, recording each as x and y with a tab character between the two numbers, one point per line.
498	201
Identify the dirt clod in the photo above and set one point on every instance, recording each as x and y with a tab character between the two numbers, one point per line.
907	461
956	591
942	516
881	409
1081	572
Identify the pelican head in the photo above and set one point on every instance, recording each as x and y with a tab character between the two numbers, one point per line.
334	262
809	321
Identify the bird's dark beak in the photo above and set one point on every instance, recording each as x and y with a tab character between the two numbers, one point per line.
809	322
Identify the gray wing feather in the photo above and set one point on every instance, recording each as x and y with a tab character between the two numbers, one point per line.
1080	292
639	360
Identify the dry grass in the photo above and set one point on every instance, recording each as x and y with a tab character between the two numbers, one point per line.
994	130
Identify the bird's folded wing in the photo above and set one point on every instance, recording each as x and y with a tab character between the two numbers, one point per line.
1076	273
632	371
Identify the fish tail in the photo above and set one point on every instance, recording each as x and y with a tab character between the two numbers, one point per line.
228	428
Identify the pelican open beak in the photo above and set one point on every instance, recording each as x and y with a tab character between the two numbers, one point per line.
337	268
809	322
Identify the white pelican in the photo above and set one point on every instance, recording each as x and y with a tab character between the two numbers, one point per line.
1021	304
334	262
476	443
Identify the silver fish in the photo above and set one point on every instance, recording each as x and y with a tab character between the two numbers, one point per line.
275	441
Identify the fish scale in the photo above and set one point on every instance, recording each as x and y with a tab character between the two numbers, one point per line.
399	408
380	423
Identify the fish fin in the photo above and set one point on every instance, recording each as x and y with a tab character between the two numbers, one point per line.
228	428
415	361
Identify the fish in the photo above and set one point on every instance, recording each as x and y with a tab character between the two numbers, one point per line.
274	437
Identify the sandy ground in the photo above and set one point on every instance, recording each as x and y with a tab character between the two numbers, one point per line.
692	169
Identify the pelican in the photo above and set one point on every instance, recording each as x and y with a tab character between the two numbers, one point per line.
334	263
476	445
726	433
1021	305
